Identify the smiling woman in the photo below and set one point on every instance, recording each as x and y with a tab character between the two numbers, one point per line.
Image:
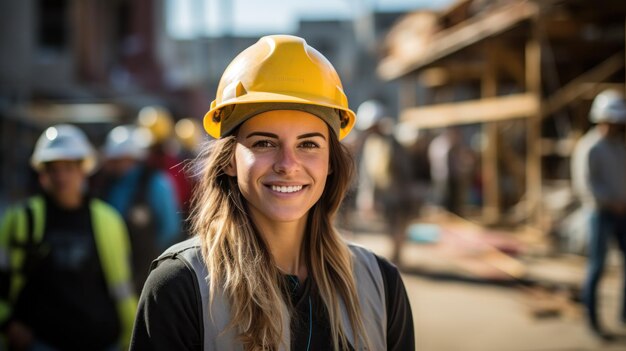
266	269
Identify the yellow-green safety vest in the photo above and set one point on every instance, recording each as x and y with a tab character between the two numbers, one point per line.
112	243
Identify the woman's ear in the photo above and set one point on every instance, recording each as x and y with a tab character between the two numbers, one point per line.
231	168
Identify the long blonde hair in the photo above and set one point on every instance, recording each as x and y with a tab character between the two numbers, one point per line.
241	266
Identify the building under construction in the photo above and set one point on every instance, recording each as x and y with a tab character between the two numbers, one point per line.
523	73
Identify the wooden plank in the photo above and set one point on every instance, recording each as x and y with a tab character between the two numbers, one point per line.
533	156
458	37
490	169
473	111
579	87
447	74
595	88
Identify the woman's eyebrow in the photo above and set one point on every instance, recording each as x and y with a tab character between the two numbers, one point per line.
310	135
265	134
275	136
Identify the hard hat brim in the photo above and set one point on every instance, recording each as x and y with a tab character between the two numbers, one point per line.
88	164
216	129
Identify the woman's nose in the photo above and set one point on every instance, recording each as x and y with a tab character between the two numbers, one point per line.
286	161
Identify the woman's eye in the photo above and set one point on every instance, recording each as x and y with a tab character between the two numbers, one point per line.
262	144
309	145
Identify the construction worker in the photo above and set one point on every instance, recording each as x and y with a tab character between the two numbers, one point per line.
189	136
162	154
267	270
386	182
451	163
65	279
598	174
188	132
144	195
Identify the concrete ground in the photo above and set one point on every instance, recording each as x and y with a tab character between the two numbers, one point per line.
453	311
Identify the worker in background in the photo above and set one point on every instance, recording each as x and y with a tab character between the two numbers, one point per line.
65	281
598	178
144	195
162	153
188	133
451	163
386	179
189	137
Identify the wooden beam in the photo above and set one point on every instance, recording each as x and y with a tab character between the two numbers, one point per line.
579	87
591	90
533	138
446	74
458	37
473	111
490	170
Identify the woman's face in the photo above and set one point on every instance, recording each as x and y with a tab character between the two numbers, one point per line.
281	163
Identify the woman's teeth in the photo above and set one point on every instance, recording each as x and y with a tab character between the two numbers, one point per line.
287	189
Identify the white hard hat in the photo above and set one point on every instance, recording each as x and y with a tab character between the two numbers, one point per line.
64	142
369	113
609	107
127	141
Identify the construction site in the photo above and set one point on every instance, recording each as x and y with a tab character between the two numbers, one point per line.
517	78
503	268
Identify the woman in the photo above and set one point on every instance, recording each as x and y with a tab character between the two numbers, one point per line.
266	269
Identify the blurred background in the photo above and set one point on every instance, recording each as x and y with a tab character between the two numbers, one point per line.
494	262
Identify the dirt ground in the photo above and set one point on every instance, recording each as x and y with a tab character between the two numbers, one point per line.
460	302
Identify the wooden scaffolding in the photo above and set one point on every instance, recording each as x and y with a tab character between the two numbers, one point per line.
537	63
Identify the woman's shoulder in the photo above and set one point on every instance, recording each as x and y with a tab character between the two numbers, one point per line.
177	262
168	275
170	301
388	270
174	271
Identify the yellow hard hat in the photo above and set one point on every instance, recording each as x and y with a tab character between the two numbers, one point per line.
158	120
188	133
279	72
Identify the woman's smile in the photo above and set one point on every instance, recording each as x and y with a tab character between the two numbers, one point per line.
286	189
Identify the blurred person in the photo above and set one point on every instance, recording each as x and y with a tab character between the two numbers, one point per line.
598	178
267	270
162	153
144	195
65	281
386	182
451	164
188	132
